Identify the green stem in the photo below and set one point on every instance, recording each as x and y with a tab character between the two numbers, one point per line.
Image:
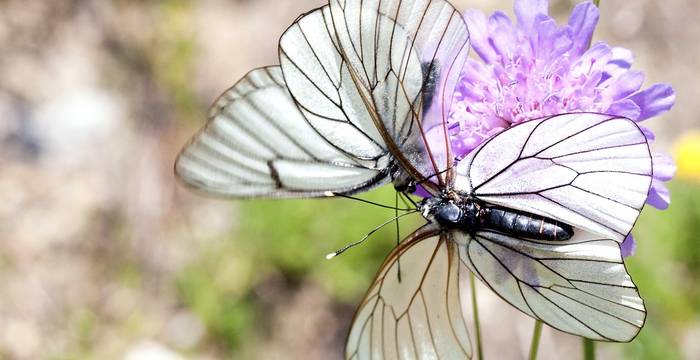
596	2
475	310
535	344
588	349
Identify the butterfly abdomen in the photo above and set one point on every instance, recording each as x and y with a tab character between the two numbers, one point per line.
525	225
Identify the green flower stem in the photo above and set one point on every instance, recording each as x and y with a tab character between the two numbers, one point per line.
588	349
475	310
597	3
535	344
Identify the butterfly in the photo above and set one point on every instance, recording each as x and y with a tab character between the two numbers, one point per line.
361	99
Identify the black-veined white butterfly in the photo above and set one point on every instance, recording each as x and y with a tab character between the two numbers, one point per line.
360	99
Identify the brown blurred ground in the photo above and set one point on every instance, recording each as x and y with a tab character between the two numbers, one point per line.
96	98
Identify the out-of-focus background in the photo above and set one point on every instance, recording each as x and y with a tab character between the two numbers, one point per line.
104	256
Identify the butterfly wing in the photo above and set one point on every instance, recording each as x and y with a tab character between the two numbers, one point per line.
258	144
581	287
439	38
591	171
420	316
370	66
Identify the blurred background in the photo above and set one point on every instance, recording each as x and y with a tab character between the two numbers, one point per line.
104	256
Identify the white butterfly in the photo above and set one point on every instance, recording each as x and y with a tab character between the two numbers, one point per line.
361	99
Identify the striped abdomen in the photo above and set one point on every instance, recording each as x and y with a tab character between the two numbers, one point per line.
525	225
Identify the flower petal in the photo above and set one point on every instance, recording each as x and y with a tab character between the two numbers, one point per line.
527	10
620	62
503	37
479	35
583	21
628	246
625	108
655	100
623	86
648	133
622	57
551	41
659	196
594	59
664	166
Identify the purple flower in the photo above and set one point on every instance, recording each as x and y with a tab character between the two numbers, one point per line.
535	68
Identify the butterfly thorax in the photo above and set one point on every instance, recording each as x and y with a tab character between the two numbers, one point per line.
472	215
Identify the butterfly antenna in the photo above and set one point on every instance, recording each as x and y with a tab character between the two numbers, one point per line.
398	232
332	194
403	199
352	245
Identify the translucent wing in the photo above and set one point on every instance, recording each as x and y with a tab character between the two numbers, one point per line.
419	317
580	287
353	66
438	37
591	171
257	144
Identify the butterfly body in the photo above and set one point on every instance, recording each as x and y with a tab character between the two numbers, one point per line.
471	215
431	75
526	225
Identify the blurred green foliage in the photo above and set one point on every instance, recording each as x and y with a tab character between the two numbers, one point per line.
220	297
172	51
288	238
666	268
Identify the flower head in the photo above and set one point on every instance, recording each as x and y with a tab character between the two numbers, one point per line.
535	68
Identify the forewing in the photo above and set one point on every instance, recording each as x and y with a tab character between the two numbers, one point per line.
580	287
438	38
591	171
368	67
320	82
258	144
420	315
